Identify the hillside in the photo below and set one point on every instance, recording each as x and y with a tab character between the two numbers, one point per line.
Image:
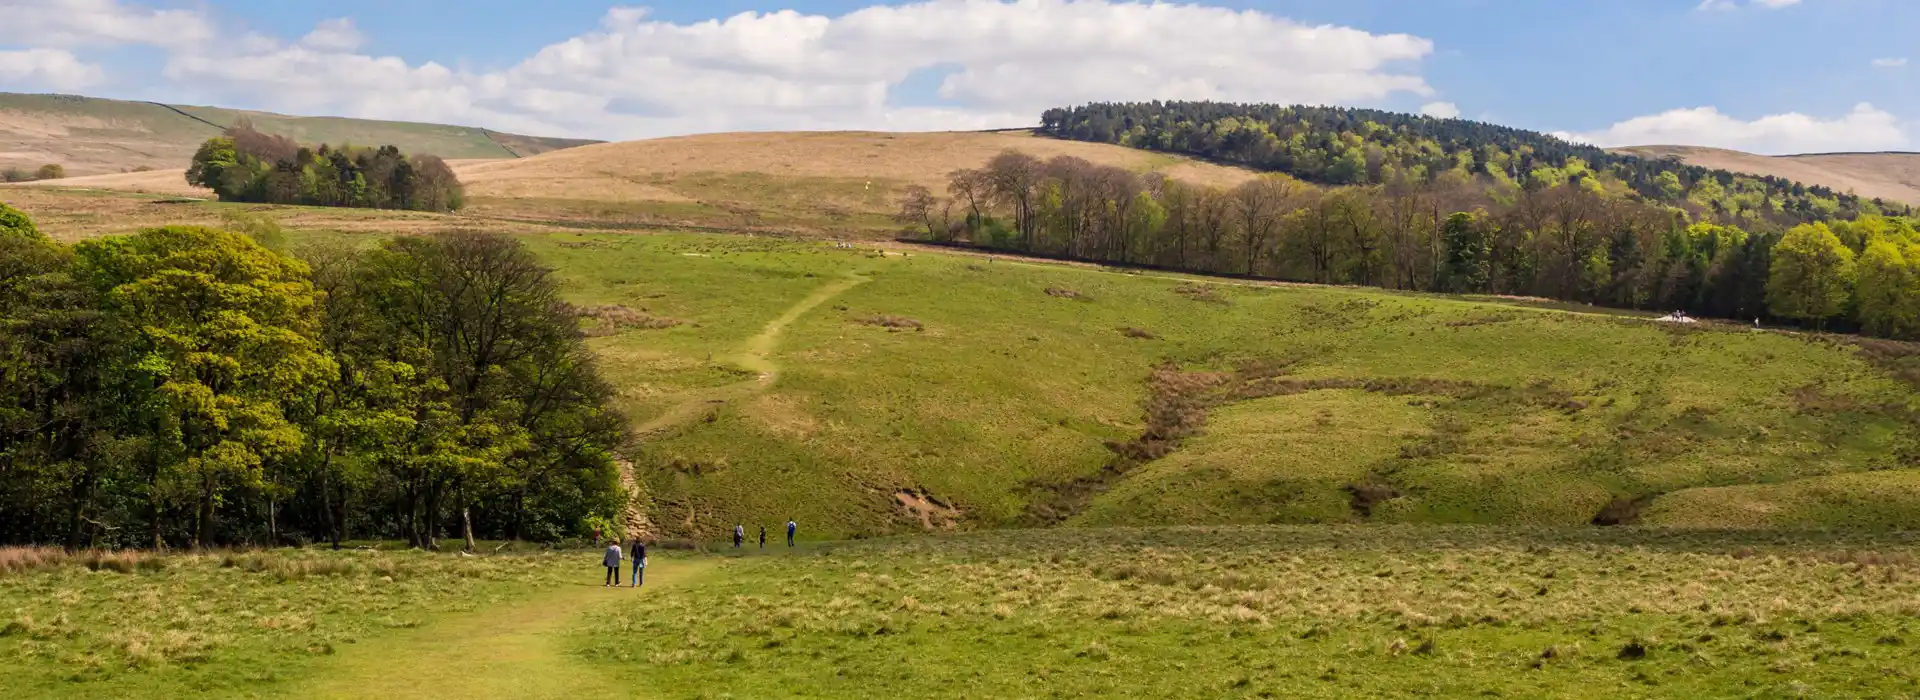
822	182
864	393
1891	176
92	136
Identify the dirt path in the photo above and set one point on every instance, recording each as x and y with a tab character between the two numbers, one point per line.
516	651
753	355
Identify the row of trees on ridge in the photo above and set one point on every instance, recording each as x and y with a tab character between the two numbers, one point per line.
1579	235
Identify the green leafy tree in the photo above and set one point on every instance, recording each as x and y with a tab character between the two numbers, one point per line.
218	334
1886	291
1812	274
15	223
1468	255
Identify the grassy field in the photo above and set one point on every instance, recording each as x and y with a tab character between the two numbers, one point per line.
927	390
1272	611
1002	398
233	624
1296	612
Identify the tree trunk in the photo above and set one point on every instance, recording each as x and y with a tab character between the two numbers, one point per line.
466	525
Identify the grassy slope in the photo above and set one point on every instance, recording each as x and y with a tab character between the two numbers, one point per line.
838	182
1322	612
1891	176
1514	415
91	135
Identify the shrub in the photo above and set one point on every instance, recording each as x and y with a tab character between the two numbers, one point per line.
51	171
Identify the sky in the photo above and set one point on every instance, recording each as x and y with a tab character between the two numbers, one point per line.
1767	76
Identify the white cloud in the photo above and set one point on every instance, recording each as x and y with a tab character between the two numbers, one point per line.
49	68
1866	128
1900	62
1709	5
1443	110
999	62
335	35
75	23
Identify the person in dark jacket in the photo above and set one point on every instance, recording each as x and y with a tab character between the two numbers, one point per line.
639	555
763	537
790	528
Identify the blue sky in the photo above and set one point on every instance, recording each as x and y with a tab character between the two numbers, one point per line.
1762	75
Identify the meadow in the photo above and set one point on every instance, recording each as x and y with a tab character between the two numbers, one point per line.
1029	394
230	624
1298	612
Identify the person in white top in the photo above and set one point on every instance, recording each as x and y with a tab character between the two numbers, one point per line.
612	562
739	535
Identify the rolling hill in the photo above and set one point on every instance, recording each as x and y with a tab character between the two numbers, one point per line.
845	183
91	136
1891	176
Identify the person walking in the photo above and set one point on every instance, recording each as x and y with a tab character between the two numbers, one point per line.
639	555
790	528
612	562
763	537
739	535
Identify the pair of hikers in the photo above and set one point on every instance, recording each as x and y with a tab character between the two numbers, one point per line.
740	535
612	561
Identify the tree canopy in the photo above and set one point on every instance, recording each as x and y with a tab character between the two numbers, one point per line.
186	386
246	165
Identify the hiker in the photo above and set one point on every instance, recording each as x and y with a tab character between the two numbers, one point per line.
612	561
790	528
739	535
596	537
763	537
639	555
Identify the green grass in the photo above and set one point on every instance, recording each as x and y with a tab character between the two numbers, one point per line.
1478	411
234	625
1306	612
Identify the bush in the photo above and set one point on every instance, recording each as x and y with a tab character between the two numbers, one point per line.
15	175
51	171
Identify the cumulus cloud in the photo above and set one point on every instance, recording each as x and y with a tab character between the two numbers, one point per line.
997	63
79	23
335	35
1443	110
1866	128
1900	62
49	68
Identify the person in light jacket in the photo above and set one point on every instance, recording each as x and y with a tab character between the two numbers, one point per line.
739	535
638	552
612	562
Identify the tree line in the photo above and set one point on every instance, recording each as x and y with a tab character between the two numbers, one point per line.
187	386
1580	235
246	165
1347	146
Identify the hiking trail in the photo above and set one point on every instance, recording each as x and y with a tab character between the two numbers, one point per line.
516	651
753	355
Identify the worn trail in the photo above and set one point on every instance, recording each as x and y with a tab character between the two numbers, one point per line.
754	355
517	651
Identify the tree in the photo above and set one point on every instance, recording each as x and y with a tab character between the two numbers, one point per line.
211	163
218	334
1469	255
14	222
1886	291
1811	276
51	171
916	209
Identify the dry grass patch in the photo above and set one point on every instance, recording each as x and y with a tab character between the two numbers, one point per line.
612	318
890	322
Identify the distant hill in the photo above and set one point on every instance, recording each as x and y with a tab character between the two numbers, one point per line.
1353	146
90	136
1890	176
